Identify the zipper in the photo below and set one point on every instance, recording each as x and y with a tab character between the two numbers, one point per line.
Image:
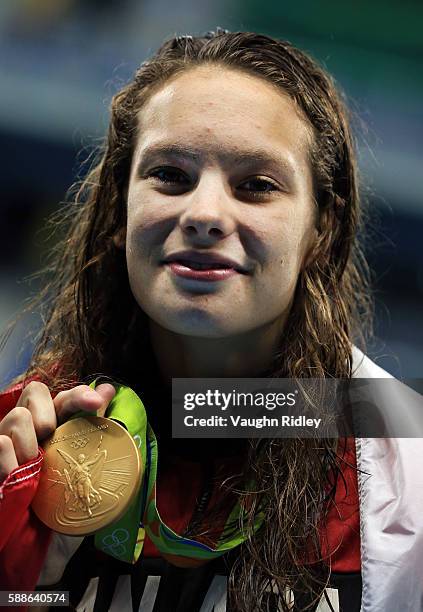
203	501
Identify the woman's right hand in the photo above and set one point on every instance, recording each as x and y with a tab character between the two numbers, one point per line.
36	416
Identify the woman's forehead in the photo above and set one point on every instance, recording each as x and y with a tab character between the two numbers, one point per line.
217	108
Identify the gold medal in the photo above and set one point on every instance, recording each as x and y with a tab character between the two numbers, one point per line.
91	472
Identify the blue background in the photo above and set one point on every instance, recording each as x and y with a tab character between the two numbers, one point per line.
64	59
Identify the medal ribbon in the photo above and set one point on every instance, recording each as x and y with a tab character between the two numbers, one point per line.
124	539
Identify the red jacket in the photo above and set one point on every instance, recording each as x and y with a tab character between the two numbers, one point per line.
24	540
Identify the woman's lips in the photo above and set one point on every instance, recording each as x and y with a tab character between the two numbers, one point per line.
210	274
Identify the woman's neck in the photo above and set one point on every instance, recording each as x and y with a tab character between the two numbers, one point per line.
245	355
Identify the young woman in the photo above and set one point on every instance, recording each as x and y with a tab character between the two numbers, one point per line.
215	237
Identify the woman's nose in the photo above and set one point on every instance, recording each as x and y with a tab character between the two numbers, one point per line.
208	211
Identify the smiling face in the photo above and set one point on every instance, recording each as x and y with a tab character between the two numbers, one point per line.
220	179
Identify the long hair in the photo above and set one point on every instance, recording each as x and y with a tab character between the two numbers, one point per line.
93	323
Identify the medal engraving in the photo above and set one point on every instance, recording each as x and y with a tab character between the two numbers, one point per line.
91	472
80	494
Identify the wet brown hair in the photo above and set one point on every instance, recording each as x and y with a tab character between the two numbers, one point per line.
93	323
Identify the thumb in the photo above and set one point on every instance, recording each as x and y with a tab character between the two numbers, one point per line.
85	398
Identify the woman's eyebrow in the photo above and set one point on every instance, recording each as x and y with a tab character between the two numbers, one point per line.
228	156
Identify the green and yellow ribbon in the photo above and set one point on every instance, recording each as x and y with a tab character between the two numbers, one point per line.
124	539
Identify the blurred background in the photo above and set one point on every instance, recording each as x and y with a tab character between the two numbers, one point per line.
62	60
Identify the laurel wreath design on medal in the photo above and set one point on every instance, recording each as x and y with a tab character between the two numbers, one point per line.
91	472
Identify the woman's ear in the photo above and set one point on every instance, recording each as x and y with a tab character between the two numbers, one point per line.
119	239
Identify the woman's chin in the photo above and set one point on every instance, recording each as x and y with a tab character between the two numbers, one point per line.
199	323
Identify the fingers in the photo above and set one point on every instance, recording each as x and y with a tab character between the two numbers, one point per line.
36	397
36	416
19	427
8	461
84	398
32	419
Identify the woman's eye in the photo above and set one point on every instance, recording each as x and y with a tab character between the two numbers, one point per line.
258	185
169	176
